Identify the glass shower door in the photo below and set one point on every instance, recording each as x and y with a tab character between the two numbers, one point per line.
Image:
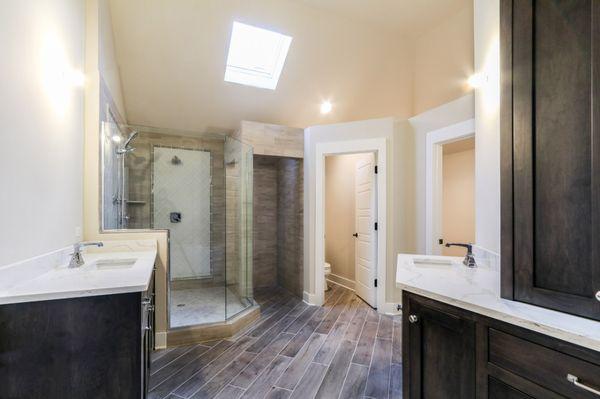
238	178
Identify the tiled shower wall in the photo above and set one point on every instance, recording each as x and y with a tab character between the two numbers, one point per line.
139	165
278	223
290	214
265	221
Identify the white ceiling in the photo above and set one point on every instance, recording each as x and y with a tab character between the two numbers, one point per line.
172	54
409	17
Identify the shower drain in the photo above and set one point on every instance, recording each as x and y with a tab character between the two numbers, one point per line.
180	305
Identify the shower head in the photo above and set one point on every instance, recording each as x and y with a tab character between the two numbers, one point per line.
132	136
126	148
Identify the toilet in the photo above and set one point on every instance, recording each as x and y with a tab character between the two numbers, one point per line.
327	270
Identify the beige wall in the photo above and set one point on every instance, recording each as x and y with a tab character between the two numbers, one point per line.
458	199
41	114
340	220
443	61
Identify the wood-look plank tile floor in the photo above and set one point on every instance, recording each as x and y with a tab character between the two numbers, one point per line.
343	349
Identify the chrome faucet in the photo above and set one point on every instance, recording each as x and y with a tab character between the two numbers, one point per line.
76	258
469	260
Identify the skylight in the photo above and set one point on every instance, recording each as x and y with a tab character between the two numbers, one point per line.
256	56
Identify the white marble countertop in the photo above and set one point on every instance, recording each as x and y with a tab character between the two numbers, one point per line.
118	267
478	290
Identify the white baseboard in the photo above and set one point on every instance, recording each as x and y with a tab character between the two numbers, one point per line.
390	308
160	340
342	281
308	298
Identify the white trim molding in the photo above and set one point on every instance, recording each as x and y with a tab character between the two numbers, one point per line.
160	340
433	174
308	298
378	146
390	308
341	281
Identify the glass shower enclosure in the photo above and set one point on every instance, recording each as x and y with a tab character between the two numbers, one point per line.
199	187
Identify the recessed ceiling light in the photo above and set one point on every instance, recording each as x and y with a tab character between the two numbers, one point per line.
256	56
326	107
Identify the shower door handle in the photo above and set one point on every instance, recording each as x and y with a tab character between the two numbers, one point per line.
355	235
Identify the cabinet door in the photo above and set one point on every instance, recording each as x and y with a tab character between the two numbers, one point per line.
551	88
441	353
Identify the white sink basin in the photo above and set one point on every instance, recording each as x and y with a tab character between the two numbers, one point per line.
432	262
111	263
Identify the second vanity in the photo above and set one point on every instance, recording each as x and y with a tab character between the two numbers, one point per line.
461	340
81	332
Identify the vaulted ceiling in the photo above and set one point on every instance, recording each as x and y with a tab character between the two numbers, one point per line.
355	53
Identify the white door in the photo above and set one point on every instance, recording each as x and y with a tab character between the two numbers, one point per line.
365	247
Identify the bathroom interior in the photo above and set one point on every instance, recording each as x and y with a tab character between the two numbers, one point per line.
299	199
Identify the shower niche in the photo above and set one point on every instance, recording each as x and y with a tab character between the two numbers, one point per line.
199	188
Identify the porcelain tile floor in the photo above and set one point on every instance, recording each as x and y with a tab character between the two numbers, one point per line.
192	306
343	349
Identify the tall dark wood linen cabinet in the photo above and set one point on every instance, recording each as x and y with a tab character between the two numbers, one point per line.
550	153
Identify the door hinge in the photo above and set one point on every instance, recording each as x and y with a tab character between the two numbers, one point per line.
375	283
375	226
375	169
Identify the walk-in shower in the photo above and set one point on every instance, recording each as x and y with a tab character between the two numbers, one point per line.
199	187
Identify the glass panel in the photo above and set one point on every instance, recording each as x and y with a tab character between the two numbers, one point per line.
238	177
199	187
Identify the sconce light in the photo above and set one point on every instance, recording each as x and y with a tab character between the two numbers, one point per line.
477	80
326	107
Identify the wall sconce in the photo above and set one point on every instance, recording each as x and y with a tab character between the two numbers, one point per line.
477	80
326	107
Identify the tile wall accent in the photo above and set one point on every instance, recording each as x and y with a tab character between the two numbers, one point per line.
265	221
182	184
290	225
274	140
278	223
139	165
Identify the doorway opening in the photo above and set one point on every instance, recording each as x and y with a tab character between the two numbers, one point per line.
350	223
450	188
458	195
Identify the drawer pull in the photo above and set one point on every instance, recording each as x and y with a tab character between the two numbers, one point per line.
413	318
575	381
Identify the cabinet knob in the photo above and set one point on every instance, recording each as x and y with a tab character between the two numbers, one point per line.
598	295
413	318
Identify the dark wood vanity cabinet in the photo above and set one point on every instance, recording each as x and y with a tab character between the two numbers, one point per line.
441	356
89	347
550	153
449	352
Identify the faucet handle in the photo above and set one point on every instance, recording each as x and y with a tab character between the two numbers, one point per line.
469	260
76	258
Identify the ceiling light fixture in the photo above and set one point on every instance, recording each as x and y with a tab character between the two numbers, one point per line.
326	107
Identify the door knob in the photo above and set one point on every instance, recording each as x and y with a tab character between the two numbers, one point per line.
598	295
355	235
413	318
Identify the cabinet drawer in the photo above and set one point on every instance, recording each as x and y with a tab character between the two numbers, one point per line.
543	366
